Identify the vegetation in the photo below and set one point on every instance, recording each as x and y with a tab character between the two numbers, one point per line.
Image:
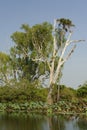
30	74
82	90
32	99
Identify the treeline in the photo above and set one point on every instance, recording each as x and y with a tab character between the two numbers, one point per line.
26	92
26	97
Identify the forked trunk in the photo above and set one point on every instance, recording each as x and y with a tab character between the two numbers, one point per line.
59	52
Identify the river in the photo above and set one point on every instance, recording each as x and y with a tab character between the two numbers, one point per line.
24	121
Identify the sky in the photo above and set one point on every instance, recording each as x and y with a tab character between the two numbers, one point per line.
14	13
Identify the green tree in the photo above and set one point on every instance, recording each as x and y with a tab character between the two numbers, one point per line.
62	40
40	50
5	69
31	45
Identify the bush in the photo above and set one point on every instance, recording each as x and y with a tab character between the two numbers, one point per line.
22	92
68	94
82	91
65	93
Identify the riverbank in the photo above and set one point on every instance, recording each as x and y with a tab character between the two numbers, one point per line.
31	99
62	107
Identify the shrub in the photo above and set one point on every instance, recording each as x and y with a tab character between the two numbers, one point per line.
22	92
82	91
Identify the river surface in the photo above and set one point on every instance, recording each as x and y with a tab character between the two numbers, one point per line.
41	122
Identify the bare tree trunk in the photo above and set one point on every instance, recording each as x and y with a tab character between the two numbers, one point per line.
54	74
58	92
49	97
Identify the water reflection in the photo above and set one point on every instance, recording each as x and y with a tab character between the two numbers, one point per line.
40	122
82	123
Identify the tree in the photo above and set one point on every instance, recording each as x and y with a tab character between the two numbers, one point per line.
5	69
40	50
62	39
23	66
30	45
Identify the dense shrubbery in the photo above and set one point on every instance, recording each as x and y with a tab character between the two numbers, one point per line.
22	92
25	96
82	91
65	93
25	91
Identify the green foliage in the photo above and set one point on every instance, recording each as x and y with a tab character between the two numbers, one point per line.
32	97
4	58
66	24
2	107
65	93
68	94
82	91
42	37
5	68
30	58
41	68
23	91
31	43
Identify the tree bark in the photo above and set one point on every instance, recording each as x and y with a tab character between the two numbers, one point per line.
58	92
49	97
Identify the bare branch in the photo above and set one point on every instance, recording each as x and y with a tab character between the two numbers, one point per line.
77	41
69	36
69	54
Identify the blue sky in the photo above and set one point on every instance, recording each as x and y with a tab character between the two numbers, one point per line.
13	13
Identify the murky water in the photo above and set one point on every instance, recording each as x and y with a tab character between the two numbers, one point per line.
40	122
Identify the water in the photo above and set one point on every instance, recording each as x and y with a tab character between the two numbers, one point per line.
40	122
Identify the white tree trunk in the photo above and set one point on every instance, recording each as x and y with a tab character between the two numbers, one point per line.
55	74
